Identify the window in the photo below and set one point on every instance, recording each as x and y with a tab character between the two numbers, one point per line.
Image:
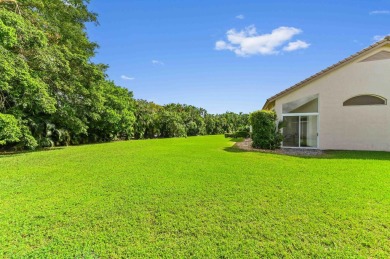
365	100
303	105
378	56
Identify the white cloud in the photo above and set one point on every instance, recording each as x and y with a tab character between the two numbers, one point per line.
379	37
157	62
380	12
221	45
127	77
296	45
240	16
248	42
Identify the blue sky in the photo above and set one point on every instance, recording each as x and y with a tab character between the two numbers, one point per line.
228	55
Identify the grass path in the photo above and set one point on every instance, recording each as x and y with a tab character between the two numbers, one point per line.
193	197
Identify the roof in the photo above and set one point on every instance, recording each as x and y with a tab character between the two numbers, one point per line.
381	43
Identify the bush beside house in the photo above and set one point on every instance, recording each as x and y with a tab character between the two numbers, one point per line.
265	130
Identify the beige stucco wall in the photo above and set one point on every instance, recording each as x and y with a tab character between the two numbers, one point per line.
350	127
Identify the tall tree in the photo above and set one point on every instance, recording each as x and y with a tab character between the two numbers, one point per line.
49	81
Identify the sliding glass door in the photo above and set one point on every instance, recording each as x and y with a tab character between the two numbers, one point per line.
291	131
308	136
300	131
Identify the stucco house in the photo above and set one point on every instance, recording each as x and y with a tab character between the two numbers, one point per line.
344	106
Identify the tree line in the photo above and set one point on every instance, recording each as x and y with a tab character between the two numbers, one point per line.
180	120
51	93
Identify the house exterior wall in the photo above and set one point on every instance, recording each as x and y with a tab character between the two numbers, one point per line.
364	127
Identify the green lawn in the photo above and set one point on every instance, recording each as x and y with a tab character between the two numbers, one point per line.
193	197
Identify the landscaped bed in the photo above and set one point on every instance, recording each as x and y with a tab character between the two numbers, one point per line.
246	144
197	197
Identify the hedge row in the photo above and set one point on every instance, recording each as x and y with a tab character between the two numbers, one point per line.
238	134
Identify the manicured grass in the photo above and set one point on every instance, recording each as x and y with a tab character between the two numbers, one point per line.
193	197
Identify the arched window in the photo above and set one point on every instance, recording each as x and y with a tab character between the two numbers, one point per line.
365	100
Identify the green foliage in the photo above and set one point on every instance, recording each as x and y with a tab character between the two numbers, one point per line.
8	37
228	122
115	119
146	123
27	141
241	134
265	131
191	117
9	129
193	198
237	134
171	125
48	82
153	120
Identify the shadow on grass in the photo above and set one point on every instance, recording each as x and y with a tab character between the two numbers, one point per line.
236	139
328	154
356	155
235	149
18	153
339	154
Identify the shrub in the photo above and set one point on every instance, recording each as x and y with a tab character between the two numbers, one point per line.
241	134
229	135
46	142
27	140
265	131
237	134
9	129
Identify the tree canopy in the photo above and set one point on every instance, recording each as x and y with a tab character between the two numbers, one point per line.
179	120
49	84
